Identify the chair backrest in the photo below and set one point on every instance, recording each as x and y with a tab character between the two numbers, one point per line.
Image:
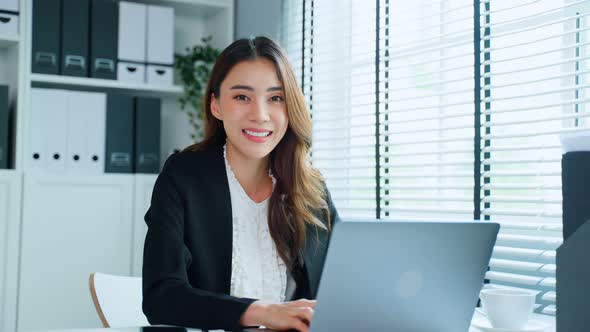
117	300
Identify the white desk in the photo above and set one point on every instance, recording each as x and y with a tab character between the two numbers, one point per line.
550	320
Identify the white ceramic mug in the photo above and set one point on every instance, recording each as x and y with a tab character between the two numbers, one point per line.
508	308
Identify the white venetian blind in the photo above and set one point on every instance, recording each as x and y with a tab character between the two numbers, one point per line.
291	33
391	86
534	87
339	84
427	130
420	91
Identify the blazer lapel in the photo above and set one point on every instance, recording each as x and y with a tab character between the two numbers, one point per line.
221	225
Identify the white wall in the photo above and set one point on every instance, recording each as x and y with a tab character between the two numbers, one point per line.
257	17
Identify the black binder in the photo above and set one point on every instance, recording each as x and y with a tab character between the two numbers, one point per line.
104	34
147	135
573	273
75	28
119	135
3	126
573	256
46	36
575	178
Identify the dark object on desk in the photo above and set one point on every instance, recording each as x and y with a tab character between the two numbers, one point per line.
573	264
162	329
3	126
573	273
104	31
74	45
46	36
575	178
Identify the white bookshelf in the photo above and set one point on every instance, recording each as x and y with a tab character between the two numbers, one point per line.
8	40
61	225
194	19
94	83
10	221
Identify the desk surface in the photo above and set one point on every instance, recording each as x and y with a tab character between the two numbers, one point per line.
550	320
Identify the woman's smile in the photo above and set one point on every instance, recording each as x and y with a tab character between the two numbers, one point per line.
257	135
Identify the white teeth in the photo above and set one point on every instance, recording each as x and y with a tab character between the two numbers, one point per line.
257	134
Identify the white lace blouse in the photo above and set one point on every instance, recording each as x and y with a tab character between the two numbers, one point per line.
257	270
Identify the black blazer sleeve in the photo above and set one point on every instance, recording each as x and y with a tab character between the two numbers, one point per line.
168	297
334	217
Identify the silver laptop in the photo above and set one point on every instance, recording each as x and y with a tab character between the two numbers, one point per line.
403	276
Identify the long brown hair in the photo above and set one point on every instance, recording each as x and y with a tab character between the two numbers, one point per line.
299	192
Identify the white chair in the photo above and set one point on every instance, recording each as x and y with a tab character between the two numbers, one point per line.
117	300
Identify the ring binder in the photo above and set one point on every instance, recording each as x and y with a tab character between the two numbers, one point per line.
104	29
120	159
45	59
75	31
104	65
119	134
75	61
46	36
147	135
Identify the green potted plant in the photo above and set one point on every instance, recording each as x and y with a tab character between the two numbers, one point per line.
194	68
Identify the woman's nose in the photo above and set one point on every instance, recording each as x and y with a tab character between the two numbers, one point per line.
260	113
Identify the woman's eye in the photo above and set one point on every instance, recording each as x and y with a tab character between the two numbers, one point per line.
241	98
276	98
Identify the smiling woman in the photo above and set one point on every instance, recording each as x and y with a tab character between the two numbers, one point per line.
252	108
239	223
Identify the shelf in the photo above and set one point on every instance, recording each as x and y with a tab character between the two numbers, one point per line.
77	179
8	172
103	84
8	40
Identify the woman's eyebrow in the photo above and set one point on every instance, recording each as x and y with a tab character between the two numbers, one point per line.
249	88
242	87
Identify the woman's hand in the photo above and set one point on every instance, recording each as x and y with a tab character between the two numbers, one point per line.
280	316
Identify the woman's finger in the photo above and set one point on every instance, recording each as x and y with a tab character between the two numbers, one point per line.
300	326
305	313
303	303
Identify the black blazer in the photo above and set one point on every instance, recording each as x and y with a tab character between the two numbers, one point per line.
188	246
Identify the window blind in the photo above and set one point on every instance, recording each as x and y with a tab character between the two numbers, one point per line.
340	87
450	110
291	33
427	134
534	87
391	90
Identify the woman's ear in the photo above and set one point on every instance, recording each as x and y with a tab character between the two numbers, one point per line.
215	109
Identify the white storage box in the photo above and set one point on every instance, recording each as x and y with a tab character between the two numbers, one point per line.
132	31
159	75
131	72
8	25
160	35
9	5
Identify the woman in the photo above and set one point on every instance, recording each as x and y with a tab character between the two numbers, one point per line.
239	224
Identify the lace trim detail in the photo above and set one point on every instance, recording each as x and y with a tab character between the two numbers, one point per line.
231	176
257	269
275	270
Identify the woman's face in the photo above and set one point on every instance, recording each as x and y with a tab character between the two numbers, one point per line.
252	106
